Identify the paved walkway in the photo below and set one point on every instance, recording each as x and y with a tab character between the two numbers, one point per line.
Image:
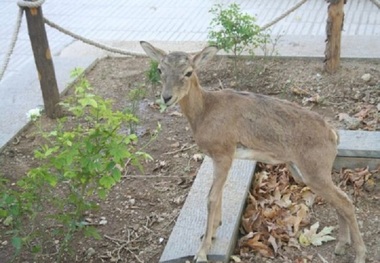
181	25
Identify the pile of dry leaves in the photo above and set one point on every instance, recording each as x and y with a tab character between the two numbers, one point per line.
277	212
365	117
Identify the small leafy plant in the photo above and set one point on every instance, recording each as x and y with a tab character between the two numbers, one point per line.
234	31
135	95
153	74
82	163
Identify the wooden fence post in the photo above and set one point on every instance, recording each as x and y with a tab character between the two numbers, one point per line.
43	60
334	28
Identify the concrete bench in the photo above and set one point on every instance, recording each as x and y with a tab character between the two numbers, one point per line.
356	149
184	240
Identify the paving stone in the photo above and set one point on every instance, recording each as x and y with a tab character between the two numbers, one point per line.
21	93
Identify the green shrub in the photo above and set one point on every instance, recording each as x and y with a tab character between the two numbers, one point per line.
234	31
84	162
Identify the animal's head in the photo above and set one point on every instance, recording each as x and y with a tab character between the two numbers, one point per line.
177	70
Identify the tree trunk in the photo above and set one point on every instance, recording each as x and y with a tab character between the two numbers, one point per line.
43	60
334	28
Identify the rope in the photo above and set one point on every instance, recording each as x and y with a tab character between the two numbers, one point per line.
91	42
12	44
129	53
283	15
38	3
30	4
376	3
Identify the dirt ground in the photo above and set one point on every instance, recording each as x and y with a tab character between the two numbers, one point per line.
141	210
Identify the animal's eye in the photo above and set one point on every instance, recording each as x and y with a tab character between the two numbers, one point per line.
188	74
159	71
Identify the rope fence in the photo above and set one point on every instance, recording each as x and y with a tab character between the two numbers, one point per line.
38	3
376	3
35	4
12	44
91	42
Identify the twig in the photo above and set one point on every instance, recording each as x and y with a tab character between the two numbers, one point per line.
171	221
139	260
121	245
116	240
183	148
322	258
221	86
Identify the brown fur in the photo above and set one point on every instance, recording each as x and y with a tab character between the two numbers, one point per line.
228	124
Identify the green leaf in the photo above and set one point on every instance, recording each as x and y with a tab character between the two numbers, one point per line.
107	181
119	152
49	151
88	102
102	193
91	231
69	174
8	220
17	243
116	174
76	72
3	213
36	249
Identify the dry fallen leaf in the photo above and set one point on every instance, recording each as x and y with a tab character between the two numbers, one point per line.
313	99
198	157
236	259
308	196
299	91
259	246
301	215
175	145
175	113
311	237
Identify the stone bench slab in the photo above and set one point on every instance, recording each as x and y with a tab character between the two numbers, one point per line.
184	240
358	149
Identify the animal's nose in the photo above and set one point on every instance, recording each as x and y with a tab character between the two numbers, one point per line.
166	99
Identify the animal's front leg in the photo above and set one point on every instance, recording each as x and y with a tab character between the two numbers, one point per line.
214	203
218	215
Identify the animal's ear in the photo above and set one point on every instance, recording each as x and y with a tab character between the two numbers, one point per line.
154	53
204	56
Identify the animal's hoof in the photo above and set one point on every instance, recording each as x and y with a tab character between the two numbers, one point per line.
340	249
360	255
200	259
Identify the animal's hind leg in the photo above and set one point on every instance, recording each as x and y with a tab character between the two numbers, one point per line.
344	235
344	230
319	180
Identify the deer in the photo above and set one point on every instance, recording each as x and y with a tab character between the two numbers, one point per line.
229	124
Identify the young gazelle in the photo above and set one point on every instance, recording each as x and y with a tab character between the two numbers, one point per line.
229	124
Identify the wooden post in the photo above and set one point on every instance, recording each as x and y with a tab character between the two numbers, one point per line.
43	60
334	27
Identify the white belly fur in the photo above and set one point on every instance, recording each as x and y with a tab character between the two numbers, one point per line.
249	154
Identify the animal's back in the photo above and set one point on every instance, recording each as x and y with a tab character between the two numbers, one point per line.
265	123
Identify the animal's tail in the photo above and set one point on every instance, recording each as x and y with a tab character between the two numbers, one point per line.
335	136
